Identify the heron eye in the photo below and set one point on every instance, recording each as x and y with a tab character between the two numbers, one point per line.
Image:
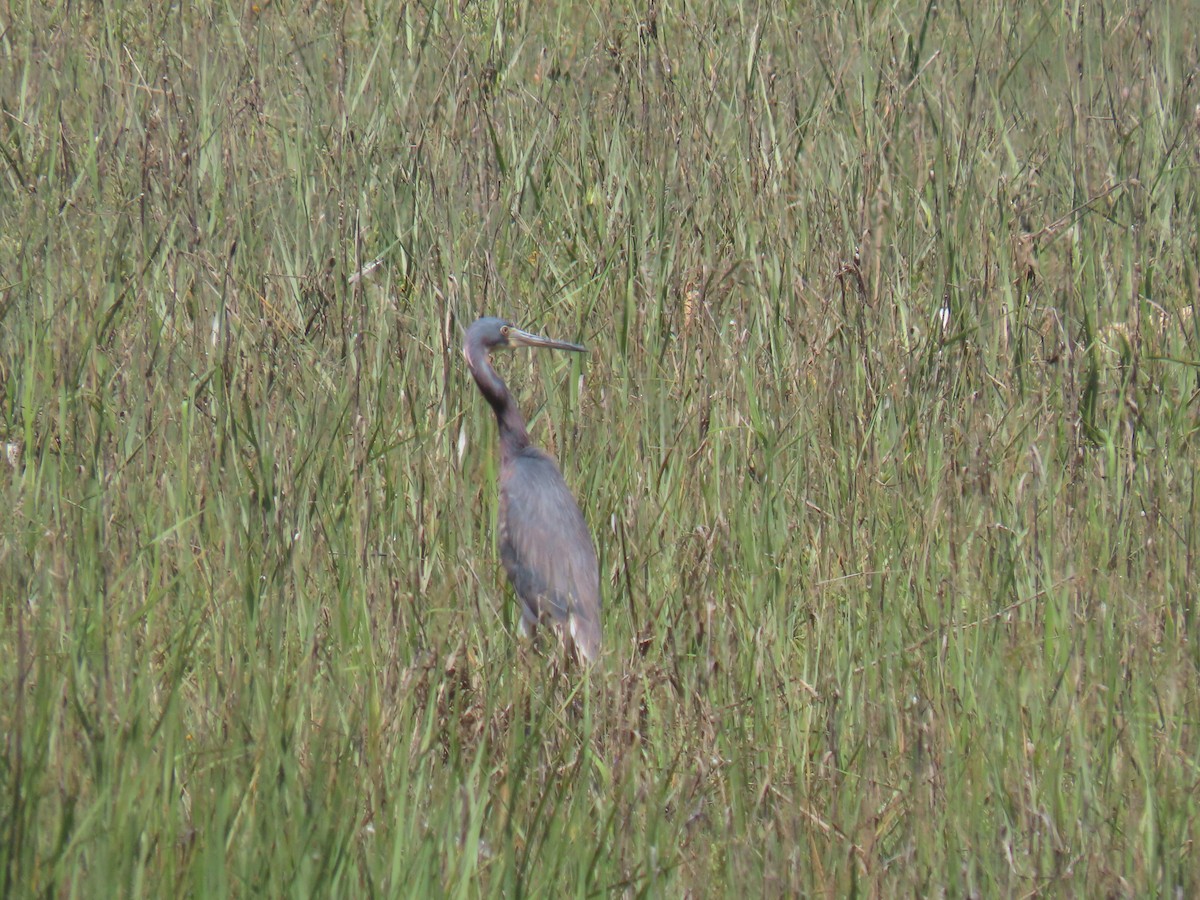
504	330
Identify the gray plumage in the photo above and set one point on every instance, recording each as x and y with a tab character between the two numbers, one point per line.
545	545
547	550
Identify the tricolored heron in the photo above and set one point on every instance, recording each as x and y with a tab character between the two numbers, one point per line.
544	541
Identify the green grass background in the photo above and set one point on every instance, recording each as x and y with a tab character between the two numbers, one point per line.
897	600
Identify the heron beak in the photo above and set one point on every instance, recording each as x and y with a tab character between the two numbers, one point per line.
519	338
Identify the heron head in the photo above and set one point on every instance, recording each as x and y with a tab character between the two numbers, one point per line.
492	334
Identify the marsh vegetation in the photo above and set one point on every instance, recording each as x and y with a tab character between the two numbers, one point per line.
887	437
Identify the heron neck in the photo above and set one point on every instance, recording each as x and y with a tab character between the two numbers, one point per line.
513	436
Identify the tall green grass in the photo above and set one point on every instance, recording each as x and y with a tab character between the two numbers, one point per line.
887	439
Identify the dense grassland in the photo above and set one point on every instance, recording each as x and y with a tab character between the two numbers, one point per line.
887	437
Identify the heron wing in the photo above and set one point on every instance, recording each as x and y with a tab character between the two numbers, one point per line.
547	550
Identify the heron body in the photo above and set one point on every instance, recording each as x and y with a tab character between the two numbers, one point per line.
545	545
